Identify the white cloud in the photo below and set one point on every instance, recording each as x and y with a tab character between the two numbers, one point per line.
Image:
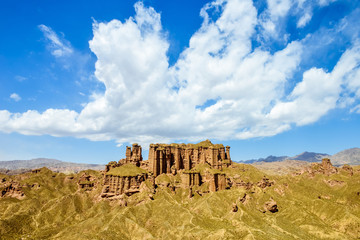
273	20
279	8
20	78
59	47
319	92
145	100
326	2
15	97
305	19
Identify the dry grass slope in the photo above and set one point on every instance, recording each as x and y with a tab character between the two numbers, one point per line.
309	208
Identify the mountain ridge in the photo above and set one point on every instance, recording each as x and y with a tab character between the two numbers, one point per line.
348	156
53	164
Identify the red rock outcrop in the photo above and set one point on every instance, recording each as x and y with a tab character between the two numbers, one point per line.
328	167
324	168
87	182
265	182
234	207
333	183
217	182
168	159
237	182
244	199
271	206
190	179
13	190
132	156
162	157
118	185
348	169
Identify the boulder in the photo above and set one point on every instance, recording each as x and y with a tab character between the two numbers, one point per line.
271	206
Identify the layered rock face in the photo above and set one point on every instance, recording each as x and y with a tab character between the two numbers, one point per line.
324	168
217	182
132	156
126	176
87	182
164	157
12	189
125	179
190	179
118	185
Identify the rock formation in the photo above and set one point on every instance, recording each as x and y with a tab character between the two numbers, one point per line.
271	206
180	160
11	189
328	167
217	182
324	168
348	169
244	199
235	207
125	179
87	182
265	182
132	156
162	157
190	179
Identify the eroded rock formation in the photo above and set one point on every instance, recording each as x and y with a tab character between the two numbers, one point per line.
125	179
348	169
178	160
132	156
217	182
190	179
265	182
87	182
324	168
271	206
117	185
11	189
162	157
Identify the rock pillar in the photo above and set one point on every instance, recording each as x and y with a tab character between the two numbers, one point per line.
128	154
161	160
177	158
228	152
222	154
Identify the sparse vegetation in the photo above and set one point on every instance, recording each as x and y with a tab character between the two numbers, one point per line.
126	170
309	208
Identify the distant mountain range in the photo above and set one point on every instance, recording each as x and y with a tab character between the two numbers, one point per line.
305	156
53	164
349	156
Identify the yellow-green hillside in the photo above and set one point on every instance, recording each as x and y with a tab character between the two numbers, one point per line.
309	208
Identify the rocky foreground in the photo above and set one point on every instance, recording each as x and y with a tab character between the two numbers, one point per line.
318	202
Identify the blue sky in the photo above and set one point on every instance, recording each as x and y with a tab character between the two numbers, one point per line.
81	80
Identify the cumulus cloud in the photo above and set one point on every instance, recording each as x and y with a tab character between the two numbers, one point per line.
59	47
221	87
274	18
15	97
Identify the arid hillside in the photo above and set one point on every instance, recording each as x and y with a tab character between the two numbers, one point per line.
320	202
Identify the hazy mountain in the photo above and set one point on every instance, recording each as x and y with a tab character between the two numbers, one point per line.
310	157
53	164
349	156
305	156
267	159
